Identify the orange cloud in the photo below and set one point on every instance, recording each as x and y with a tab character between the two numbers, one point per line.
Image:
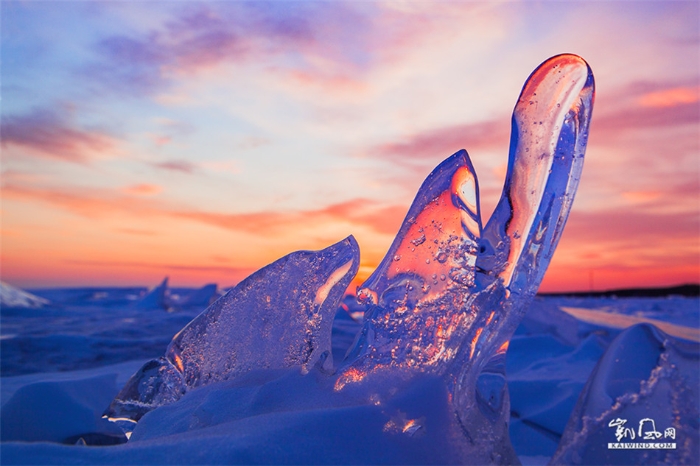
630	247
272	234
641	196
88	203
135	231
380	218
143	189
670	97
627	247
233	273
563	278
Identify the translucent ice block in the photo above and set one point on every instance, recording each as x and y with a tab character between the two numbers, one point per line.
548	140
280	316
418	296
447	297
444	286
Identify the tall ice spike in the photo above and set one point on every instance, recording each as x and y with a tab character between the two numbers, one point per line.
548	141
417	296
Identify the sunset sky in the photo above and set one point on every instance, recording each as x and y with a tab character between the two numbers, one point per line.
203	140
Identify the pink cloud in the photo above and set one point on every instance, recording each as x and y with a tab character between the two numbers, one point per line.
665	108
177	165
332	45
447	140
641	117
333	82
645	106
162	140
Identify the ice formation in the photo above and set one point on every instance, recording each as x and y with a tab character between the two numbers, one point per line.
155	298
11	296
644	390
280	316
441	306
448	295
201	297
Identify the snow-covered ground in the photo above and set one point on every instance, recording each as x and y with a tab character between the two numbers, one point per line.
64	360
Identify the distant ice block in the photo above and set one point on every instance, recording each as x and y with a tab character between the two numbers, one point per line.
280	316
11	296
155	298
204	296
448	295
641	404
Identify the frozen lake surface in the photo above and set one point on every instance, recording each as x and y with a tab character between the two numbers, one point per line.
69	358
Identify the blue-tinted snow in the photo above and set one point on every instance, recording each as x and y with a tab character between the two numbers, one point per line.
75	341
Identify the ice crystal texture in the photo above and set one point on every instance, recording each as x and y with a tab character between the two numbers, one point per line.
448	295
280	316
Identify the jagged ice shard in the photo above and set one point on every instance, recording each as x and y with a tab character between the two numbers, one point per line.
280	316
448	295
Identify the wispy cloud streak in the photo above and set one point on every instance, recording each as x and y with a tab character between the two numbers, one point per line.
182	166
95	203
50	133
200	36
237	272
422	146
